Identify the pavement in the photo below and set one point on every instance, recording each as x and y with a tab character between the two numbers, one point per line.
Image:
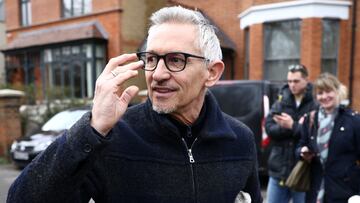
8	173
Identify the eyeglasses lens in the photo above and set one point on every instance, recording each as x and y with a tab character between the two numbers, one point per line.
175	61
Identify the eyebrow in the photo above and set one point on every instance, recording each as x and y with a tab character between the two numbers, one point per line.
295	80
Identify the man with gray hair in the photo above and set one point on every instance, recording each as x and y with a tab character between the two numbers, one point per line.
178	146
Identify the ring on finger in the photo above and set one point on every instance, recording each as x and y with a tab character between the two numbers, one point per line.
113	73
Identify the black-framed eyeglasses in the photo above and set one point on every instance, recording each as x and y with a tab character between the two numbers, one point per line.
174	61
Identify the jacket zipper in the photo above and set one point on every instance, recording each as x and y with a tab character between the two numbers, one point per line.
189	150
192	161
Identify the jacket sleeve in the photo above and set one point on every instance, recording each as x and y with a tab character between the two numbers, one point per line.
57	174
273	129
304	132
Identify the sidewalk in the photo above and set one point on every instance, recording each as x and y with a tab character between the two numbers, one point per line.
8	173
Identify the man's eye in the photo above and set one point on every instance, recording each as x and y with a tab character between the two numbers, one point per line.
175	59
150	59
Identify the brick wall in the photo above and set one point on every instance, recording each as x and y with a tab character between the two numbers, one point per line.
256	50
356	73
344	52
43	11
126	22
12	14
224	14
310	48
10	121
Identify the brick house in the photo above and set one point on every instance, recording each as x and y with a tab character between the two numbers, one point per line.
271	34
62	46
56	49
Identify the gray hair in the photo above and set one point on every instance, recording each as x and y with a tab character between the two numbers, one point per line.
208	42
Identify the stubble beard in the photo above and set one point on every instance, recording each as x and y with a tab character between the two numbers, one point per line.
164	110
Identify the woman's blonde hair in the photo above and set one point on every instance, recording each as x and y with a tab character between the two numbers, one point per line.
328	82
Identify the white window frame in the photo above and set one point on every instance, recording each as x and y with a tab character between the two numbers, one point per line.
294	10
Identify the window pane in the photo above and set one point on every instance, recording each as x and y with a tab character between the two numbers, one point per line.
77	77
75	50
99	67
89	79
247	56
277	69
24	15
87	6
67	8
66	51
57	54
329	65
25	12
57	76
100	52
76	7
330	46
282	40
47	55
29	14
282	48
75	70
67	80
87	48
2	10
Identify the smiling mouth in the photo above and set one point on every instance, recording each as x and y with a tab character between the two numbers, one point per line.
163	92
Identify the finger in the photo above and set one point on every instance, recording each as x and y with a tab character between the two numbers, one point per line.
131	66
119	60
121	78
128	94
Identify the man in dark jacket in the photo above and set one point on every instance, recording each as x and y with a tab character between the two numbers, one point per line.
282	126
176	147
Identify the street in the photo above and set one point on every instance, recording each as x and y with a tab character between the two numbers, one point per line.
7	175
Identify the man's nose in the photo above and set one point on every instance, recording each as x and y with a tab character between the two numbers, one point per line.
161	72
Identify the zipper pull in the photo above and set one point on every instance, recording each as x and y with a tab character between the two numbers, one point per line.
191	158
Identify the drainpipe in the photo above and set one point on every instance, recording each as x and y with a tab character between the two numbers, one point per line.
352	54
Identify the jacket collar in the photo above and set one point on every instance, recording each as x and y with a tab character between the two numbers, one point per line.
211	123
288	97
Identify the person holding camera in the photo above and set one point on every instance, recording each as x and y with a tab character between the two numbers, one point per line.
295	100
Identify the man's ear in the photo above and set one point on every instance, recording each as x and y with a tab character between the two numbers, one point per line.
215	70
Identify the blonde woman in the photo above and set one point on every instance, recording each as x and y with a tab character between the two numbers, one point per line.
331	143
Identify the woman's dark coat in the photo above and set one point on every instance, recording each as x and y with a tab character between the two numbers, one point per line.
341	171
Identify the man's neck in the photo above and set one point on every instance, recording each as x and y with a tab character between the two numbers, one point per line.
299	97
190	114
